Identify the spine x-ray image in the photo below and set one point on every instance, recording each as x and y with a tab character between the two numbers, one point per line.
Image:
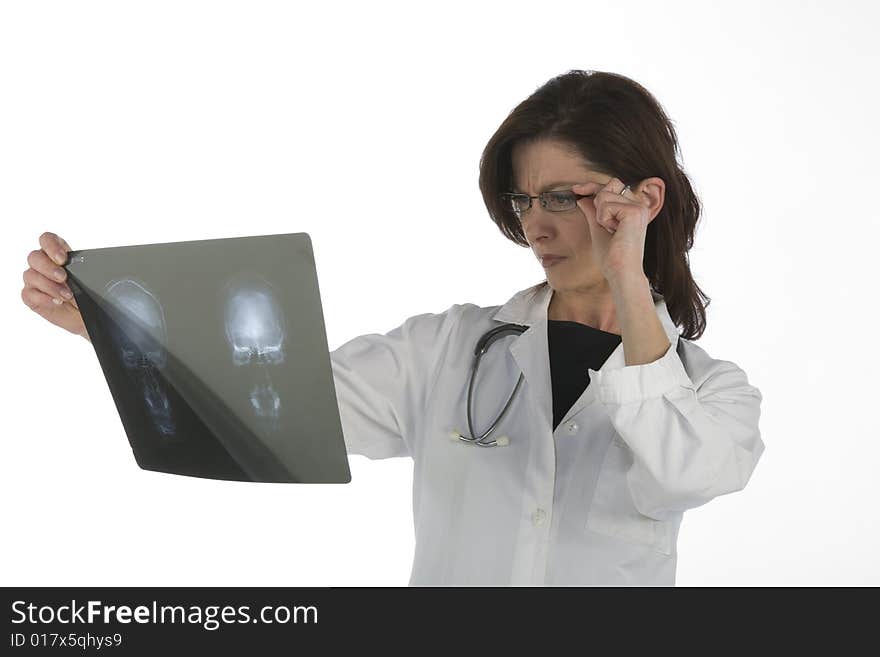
216	355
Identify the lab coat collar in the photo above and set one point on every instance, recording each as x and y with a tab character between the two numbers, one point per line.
528	307
530	349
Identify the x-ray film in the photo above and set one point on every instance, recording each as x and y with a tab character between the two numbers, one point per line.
216	356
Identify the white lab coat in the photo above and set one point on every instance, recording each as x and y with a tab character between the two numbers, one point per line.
599	501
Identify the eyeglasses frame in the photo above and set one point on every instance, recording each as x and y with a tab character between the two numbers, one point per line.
543	200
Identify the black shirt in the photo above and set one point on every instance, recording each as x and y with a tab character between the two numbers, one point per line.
574	348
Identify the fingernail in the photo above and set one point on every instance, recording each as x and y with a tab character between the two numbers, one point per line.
66	294
60	258
59	274
57	302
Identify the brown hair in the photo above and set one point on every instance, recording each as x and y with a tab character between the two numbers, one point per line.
623	131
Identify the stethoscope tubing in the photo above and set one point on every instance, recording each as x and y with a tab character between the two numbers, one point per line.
482	347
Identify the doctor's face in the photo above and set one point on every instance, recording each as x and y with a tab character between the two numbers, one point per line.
549	165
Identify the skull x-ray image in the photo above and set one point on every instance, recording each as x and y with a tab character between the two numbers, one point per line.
255	330
215	353
140	336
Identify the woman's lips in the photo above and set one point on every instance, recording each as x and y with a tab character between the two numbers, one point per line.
550	261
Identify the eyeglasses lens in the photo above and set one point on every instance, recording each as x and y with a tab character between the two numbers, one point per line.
559	201
553	201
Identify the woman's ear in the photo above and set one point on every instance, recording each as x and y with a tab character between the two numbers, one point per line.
652	192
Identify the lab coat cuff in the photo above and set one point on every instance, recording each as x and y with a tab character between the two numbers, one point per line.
636	383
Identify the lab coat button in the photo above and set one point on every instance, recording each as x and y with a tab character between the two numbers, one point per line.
572	427
538	516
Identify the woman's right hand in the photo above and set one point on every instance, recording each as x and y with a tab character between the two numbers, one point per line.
45	285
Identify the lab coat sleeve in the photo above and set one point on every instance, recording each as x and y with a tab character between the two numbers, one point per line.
691	439
382	383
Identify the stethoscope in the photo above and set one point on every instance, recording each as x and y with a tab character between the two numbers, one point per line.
482	347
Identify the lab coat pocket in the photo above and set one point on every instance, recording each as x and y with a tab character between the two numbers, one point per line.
612	511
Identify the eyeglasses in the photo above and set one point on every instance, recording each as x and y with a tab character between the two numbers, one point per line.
558	201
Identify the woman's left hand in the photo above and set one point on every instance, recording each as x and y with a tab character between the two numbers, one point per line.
618	224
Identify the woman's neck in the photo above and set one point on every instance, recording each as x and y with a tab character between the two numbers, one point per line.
591	306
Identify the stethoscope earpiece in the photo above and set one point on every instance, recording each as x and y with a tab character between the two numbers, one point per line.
501	441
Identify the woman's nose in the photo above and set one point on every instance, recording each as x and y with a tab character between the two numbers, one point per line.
536	221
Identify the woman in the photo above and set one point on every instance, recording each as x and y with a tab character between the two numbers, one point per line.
619	422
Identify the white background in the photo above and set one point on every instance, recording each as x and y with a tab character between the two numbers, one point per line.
362	124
